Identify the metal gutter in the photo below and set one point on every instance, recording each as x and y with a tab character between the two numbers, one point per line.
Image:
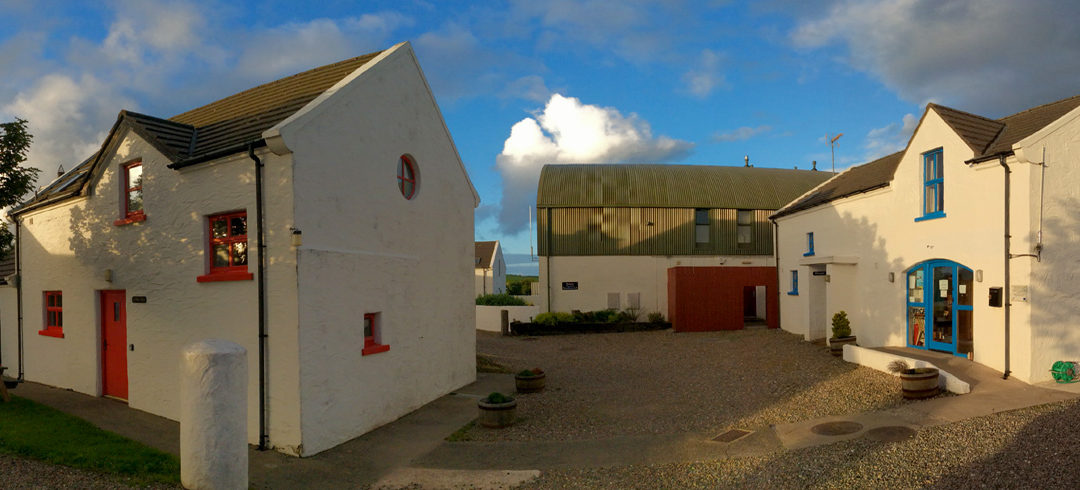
232	150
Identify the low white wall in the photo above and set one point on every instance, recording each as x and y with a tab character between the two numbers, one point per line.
488	317
880	360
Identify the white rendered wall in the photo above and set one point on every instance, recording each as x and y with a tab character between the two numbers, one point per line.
9	333
369	250
1054	291
878	230
69	247
598	275
489	318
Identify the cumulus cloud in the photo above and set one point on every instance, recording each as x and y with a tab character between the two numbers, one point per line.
741	134
568	131
65	118
701	80
890	138
985	56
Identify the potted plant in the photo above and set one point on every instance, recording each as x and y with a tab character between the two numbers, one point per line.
497	410
916	383
841	333
530	380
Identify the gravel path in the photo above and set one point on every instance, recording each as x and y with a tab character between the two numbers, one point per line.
18	472
659	382
1028	448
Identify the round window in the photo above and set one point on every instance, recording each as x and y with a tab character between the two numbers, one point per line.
407	176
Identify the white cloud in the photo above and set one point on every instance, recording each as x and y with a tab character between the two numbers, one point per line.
706	76
530	87
568	131
890	138
986	56
741	134
66	119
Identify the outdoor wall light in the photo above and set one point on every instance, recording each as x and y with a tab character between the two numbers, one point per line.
297	237
108	275
978	275
892	277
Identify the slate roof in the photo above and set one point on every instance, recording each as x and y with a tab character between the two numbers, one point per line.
986	137
677	186
855	180
485	254
214	130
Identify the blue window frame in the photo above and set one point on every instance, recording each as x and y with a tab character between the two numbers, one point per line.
933	190
794	283
809	244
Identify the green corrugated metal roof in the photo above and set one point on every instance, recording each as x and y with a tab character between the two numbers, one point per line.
676	186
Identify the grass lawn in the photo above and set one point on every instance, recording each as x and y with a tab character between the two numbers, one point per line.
36	431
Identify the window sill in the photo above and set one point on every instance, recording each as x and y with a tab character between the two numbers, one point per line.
135	218
226	276
793	293
375	349
52	332
935	215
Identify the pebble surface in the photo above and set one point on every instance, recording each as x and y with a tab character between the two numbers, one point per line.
19	472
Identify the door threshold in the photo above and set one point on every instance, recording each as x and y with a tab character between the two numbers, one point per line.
111	397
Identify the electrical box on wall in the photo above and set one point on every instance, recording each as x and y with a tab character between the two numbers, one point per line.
995	297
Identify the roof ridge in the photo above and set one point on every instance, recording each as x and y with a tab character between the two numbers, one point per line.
277	81
1038	107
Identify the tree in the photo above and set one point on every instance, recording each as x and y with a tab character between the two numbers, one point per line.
15	180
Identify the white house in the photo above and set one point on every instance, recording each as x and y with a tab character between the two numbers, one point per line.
323	221
692	242
490	268
964	242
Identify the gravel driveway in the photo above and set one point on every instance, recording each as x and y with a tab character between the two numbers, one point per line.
659	382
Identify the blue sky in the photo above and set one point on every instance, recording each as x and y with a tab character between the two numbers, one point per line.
524	83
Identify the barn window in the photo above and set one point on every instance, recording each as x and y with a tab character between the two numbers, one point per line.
744	228
228	248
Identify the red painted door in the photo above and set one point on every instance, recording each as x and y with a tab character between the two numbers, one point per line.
749	301
114	378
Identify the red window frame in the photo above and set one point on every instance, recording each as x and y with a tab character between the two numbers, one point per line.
406	176
371	328
129	215
232	271
53	306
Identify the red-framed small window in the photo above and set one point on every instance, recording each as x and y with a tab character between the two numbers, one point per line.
407	176
228	248
371	334
133	194
54	314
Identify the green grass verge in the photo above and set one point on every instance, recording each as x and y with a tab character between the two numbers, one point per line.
33	430
462	434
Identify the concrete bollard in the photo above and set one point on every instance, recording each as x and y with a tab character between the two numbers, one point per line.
213	416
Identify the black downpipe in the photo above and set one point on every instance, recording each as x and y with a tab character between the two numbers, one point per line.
1005	293
261	268
18	292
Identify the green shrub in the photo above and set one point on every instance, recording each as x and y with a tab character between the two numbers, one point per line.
553	318
500	300
531	372
629	315
496	397
605	316
656	317
841	327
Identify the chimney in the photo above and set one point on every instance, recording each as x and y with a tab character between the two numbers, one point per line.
60	171
747	160
814	165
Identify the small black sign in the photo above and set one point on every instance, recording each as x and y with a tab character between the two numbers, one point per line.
569	286
138	299
819	273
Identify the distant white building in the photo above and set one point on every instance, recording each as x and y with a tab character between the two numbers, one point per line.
964	242
322	221
490	268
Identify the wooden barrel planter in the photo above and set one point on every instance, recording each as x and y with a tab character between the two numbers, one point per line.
532	383
497	415
919	383
836	345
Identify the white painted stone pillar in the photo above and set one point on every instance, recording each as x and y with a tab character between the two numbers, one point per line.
213	416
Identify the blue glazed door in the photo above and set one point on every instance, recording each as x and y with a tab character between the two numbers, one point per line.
939	307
